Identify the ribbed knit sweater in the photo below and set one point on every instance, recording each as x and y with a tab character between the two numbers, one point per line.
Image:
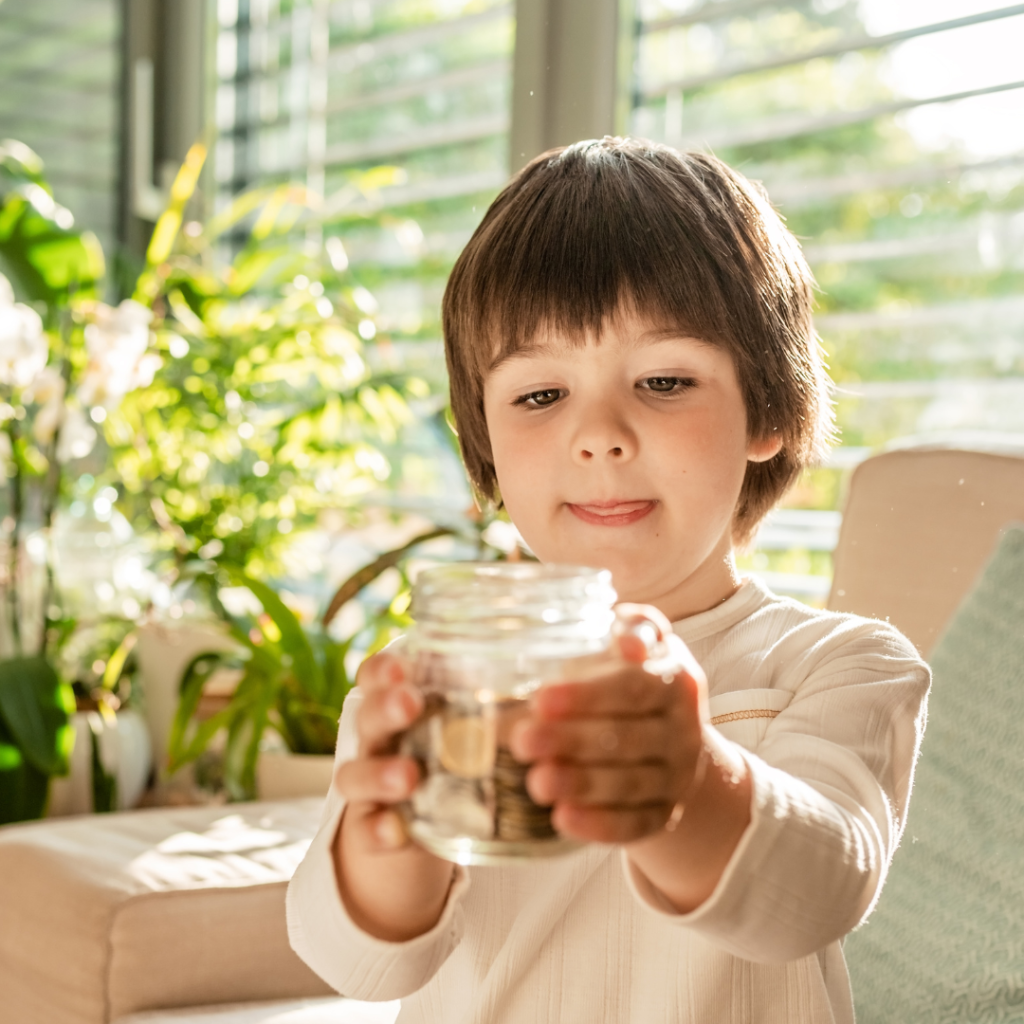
827	711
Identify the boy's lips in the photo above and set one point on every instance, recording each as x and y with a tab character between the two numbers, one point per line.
612	513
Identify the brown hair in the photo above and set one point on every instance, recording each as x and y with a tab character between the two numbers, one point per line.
684	241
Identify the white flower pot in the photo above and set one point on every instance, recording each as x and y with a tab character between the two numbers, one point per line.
125	752
164	652
281	775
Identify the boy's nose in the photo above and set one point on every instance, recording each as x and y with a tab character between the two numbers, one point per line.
615	452
604	437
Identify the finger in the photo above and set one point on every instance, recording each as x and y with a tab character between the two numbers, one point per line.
385	713
382	670
609	824
632	648
594	741
372	829
378	780
643	621
629	690
635	785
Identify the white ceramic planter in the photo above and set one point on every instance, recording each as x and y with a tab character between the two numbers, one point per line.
125	752
281	775
164	652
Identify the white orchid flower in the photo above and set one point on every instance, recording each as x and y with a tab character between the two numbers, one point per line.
47	391
48	419
47	386
77	437
117	341
24	347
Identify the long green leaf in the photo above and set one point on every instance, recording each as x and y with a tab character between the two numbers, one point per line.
294	641
193	680
37	240
23	787
259	716
250	267
35	705
104	786
369	573
240	780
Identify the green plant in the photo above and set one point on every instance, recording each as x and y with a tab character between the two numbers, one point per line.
235	401
291	676
265	411
62	353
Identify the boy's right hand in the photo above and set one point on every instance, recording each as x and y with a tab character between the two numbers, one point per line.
380	777
393	888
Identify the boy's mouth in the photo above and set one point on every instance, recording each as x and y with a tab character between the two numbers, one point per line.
612	513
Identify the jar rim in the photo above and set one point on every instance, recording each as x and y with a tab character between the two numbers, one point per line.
504	608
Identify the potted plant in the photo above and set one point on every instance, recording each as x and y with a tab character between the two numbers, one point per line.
291	677
66	360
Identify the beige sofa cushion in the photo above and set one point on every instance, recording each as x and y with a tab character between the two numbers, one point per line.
107	915
918	526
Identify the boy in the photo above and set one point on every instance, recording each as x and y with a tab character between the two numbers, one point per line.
635	375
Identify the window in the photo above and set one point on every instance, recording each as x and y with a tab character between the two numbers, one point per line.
891	136
322	91
59	75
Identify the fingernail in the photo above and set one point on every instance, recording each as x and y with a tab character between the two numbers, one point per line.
539	786
524	742
398	709
554	701
395	779
390	831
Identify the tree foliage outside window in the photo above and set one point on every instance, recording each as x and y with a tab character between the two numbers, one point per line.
911	212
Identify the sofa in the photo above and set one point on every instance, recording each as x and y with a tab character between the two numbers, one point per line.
177	915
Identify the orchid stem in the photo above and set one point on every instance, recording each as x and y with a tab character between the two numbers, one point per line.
15	540
52	496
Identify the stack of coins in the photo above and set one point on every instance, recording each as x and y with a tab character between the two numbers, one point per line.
518	817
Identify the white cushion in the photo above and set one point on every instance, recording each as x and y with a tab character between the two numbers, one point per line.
107	915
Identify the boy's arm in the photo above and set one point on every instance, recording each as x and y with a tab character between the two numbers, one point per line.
774	856
685	861
830	788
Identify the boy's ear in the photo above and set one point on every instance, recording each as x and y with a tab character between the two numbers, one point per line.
764	449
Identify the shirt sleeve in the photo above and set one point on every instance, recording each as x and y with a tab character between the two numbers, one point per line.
831	783
323	934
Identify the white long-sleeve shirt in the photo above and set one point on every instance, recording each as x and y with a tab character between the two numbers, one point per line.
828	712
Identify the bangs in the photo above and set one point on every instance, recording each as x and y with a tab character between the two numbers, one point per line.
569	248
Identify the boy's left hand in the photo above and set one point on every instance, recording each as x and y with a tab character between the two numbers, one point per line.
617	751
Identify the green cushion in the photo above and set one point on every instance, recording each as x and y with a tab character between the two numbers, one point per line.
946	942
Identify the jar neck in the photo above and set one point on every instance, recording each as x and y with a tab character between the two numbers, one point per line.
508	609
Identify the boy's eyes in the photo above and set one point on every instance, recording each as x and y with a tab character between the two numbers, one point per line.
538	399
666	385
658	385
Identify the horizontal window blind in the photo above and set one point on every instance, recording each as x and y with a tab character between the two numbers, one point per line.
318	91
891	137
60	69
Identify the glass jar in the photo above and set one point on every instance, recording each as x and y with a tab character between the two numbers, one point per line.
487	635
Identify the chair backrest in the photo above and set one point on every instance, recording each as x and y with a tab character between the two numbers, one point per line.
946	944
919	524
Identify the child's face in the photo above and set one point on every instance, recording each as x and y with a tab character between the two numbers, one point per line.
627	453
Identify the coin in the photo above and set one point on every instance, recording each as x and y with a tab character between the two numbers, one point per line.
467	746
